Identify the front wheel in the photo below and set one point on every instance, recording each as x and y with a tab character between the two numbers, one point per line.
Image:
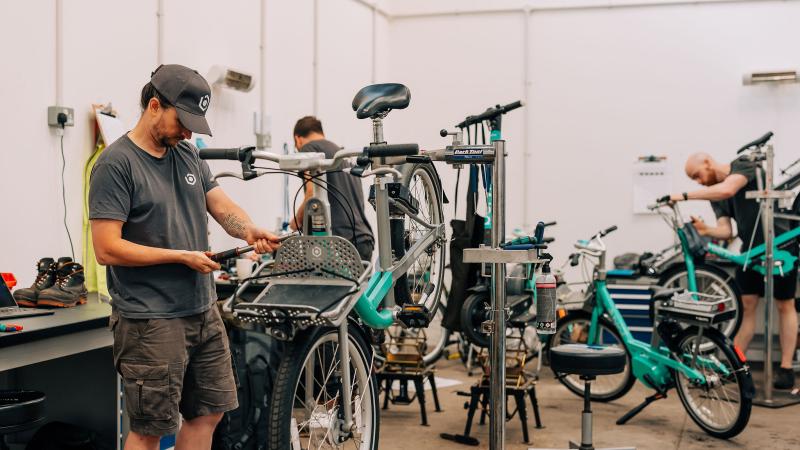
574	329
720	403
306	409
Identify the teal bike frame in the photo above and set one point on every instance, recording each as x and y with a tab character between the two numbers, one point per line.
753	259
651	363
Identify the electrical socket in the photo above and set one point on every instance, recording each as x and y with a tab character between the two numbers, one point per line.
52	116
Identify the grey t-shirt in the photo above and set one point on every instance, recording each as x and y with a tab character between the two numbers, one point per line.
347	220
743	210
162	202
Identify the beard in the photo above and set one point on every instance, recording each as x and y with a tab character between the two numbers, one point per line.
170	141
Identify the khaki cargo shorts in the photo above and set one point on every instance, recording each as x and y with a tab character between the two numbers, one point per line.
173	367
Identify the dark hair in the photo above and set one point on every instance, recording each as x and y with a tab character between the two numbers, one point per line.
307	125
148	92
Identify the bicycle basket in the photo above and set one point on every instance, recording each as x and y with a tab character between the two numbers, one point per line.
315	281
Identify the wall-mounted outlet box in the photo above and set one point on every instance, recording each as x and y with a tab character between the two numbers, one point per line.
52	116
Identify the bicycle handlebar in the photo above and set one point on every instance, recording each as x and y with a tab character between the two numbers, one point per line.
490	113
608	230
758	143
233	154
381	150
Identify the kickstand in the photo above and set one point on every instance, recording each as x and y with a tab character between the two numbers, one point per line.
660	394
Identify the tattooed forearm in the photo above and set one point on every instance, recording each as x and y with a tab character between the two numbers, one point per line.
234	225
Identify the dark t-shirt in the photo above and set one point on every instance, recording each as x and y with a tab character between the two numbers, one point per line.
344	218
162	202
743	210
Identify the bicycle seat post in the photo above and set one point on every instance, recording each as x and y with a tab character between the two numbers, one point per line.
377	129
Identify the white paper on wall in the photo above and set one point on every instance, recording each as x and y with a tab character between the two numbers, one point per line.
651	180
111	128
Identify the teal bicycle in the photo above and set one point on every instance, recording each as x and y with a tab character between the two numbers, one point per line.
325	302
687	353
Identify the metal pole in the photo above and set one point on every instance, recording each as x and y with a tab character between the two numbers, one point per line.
767	221
497	351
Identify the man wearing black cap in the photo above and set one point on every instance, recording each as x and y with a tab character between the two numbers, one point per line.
148	199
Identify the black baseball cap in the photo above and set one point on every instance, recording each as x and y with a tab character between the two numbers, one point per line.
187	91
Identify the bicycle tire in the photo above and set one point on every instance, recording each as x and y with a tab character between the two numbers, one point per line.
626	379
428	192
291	373
743	378
473	313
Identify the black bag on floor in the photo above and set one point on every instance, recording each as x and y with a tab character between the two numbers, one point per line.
256	357
467	233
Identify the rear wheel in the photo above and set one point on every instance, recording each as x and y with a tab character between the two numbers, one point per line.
720	404
423	281
574	329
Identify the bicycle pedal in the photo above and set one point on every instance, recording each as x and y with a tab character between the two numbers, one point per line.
414	316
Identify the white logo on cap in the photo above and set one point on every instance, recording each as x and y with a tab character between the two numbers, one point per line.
204	101
191	179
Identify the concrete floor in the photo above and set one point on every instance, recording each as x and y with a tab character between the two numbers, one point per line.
663	425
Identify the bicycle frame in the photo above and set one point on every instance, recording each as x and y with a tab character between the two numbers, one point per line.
785	261
651	363
376	307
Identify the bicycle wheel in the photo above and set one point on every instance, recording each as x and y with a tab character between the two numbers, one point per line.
710	280
305	411
473	313
574	329
720	406
425	278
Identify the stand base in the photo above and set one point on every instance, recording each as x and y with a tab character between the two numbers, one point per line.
573	446
780	398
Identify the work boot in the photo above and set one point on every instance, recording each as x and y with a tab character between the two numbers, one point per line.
69	289
45	277
784	378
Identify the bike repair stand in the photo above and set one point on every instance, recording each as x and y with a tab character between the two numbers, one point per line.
404	364
495	155
519	385
767	198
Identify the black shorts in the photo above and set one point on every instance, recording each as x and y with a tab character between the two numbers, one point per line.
752	283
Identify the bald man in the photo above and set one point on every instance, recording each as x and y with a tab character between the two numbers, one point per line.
725	186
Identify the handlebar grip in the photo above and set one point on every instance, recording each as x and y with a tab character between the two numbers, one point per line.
227	254
548	240
663	199
549	224
512	106
234	154
538	233
381	150
608	230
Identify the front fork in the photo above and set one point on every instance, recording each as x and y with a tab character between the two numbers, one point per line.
346	430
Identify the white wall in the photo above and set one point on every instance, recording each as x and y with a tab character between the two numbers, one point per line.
109	50
606	85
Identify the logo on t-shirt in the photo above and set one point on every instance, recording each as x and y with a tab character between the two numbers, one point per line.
190	179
